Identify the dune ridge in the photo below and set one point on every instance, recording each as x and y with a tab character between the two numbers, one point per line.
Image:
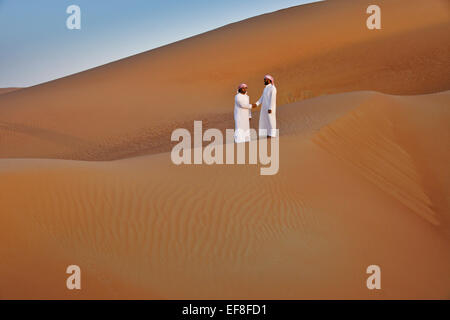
366	138
6	90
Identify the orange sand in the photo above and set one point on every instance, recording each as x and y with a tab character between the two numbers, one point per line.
364	121
6	90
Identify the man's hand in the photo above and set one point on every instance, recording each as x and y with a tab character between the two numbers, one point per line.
270	111
254	105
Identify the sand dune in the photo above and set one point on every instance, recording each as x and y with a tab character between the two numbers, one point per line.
316	49
6	90
363	178
145	228
372	138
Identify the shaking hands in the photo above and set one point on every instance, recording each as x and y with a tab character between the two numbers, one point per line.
254	105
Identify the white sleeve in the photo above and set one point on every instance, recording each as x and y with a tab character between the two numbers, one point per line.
242	105
273	98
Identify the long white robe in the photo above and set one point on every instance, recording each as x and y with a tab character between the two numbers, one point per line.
242	114
268	121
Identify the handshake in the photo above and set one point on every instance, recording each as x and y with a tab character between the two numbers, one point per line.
254	105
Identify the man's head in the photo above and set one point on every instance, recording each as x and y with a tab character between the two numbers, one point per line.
268	79
242	88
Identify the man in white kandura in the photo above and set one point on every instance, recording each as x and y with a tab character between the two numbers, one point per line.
267	116
242	114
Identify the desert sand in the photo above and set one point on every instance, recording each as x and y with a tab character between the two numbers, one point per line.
86	176
6	90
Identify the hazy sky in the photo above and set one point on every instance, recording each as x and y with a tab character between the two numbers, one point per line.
36	46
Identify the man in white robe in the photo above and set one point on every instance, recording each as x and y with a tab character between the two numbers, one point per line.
242	115
267	116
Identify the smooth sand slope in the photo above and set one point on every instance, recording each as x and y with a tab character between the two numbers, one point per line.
131	107
363	175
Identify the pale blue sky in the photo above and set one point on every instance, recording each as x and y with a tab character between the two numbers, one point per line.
36	46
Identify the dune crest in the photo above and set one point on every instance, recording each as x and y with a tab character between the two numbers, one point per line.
366	137
7	90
